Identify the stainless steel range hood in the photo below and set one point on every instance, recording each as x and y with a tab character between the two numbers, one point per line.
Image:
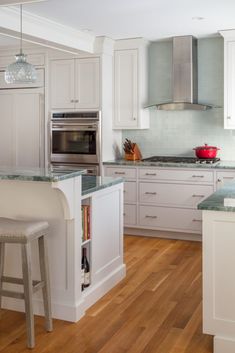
185	79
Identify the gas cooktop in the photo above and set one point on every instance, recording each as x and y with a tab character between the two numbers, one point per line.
169	159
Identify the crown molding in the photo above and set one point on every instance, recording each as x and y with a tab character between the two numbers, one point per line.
45	32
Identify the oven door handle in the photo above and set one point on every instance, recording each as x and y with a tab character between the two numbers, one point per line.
73	128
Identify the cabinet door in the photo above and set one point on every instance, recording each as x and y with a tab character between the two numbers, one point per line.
229	86
6	132
126	88
87	83
224	177
28	129
62	84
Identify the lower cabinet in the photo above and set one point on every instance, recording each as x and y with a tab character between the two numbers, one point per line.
165	198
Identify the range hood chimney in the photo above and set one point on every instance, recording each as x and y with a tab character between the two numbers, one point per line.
185	79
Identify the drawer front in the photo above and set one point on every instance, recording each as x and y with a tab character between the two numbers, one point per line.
130	215
184	195
224	178
130	194
126	173
197	175
170	218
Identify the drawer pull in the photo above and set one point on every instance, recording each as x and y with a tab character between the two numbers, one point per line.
124	214
154	217
150	193
227	177
151	174
120	173
198	176
197	220
198	195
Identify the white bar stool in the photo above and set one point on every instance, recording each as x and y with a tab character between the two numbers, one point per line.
23	232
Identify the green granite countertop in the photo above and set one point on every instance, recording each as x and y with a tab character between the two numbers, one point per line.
94	183
218	165
36	174
219	200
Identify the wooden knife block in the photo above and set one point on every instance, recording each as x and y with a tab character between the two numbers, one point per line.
136	156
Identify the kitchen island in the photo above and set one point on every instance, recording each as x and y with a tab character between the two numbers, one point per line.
40	194
219	267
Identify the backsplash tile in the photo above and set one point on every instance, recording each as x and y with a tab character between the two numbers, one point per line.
176	133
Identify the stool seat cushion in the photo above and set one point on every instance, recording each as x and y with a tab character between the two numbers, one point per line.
21	231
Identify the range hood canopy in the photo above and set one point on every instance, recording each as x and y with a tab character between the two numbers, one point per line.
185	78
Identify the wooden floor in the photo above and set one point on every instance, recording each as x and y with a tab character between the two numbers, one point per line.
155	309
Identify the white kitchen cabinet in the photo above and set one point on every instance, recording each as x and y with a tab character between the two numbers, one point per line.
229	78
75	84
21	139
224	177
130	85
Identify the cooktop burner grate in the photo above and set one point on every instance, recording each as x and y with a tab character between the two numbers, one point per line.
171	159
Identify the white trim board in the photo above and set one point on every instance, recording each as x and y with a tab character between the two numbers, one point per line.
42	31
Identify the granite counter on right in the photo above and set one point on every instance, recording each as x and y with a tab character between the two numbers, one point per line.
218	235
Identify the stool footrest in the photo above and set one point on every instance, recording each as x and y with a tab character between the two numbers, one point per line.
14	280
11	294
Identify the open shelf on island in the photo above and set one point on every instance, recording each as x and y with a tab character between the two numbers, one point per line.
86	248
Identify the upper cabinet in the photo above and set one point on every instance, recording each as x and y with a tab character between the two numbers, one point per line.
229	78
130	84
75	83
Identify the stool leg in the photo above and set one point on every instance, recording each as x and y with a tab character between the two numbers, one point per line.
2	253
44	268
28	293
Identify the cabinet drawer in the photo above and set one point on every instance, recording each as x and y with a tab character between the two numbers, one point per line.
224	178
130	216
130	194
170	218
126	173
180	195
197	175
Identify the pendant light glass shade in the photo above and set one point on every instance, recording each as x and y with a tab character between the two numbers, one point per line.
20	71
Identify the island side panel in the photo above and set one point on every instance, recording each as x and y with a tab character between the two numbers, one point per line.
219	279
41	201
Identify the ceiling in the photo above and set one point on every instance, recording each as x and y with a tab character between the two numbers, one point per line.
152	19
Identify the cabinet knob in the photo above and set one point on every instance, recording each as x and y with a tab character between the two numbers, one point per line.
219	180
134	118
76	100
229	117
72	101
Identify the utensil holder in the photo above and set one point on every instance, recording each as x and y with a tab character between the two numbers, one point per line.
135	156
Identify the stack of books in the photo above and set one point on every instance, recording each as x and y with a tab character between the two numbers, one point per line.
86	234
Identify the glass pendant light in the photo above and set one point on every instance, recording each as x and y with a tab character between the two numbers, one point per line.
20	71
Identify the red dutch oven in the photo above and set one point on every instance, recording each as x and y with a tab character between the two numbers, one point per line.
206	152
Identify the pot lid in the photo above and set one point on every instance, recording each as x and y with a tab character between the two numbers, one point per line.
206	147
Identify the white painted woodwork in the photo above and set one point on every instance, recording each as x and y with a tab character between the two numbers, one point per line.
62	84
22	139
224	177
218	279
39	82
45	32
170	218
229	78
75	84
130	191
130	215
126	173
173	195
130	85
193	175
162	189
87	82
126	88
59	203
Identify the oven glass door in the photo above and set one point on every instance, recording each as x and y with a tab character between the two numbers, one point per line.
74	142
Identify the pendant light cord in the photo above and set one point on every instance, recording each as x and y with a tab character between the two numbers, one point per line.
21	28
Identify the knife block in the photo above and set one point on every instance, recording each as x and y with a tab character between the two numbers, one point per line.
135	156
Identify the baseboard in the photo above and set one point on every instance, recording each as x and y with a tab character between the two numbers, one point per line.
224	345
162	234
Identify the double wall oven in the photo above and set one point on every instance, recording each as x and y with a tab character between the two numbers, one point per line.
76	141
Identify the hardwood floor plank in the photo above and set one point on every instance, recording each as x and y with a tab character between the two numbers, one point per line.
155	309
